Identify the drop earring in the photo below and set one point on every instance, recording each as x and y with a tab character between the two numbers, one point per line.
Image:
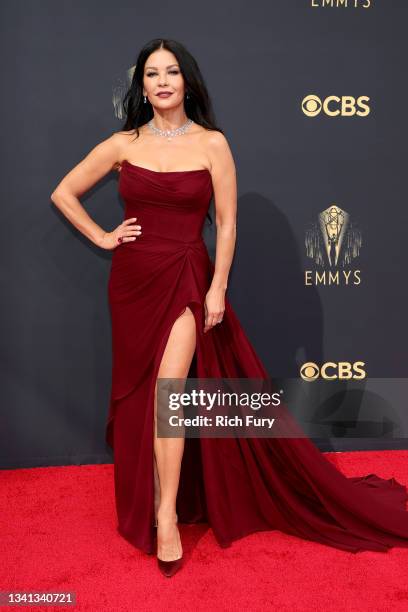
144	99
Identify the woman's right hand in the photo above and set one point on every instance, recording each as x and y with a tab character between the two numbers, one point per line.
125	232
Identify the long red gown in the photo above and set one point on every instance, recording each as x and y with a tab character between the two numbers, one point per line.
236	485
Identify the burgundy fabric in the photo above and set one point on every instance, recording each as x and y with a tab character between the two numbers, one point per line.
237	485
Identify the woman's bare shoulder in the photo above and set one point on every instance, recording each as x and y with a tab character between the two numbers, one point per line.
218	152
122	138
215	138
216	143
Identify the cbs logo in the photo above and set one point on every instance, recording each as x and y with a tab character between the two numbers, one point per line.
343	370
346	106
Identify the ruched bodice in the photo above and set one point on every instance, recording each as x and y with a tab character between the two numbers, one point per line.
167	204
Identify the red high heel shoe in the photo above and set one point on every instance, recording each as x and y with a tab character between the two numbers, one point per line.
169	568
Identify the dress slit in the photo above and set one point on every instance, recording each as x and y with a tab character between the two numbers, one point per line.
157	363
134	451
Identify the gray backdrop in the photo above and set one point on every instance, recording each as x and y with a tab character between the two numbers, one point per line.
60	61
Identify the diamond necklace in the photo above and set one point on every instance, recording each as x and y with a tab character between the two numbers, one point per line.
169	134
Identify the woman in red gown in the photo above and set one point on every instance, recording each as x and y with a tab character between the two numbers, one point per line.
172	319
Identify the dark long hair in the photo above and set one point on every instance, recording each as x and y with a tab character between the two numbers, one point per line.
197	105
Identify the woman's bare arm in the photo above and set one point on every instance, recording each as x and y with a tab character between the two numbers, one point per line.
225	195
99	162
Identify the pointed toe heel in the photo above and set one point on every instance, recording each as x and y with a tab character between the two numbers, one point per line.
169	568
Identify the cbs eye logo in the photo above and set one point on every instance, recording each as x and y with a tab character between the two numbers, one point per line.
345	106
343	370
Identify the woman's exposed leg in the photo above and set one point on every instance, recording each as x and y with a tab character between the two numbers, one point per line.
175	363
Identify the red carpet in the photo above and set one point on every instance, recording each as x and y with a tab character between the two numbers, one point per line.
58	533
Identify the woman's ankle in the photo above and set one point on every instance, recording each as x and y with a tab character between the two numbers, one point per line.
166	513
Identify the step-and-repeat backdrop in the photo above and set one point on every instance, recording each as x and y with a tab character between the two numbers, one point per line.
311	96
